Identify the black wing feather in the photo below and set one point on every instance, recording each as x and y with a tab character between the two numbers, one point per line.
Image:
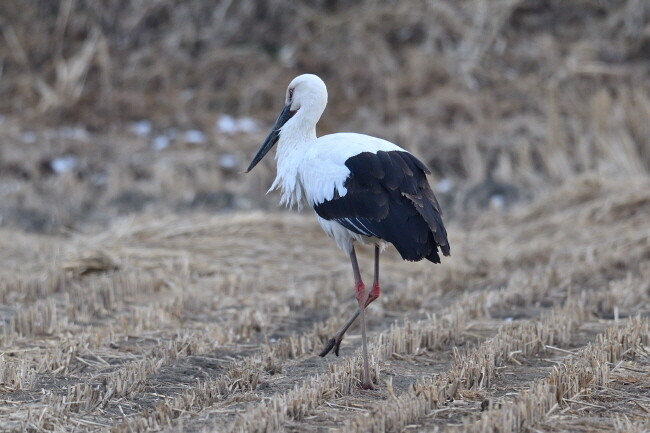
388	197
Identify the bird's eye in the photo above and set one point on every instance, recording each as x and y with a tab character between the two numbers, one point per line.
290	93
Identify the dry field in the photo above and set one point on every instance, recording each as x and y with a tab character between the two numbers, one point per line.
539	322
504	98
146	284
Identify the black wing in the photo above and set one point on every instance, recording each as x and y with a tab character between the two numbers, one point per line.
388	197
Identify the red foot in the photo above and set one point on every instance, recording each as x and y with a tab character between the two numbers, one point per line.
374	293
361	291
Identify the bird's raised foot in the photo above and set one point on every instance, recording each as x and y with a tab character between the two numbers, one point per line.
334	343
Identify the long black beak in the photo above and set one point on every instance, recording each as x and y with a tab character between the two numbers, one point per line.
273	136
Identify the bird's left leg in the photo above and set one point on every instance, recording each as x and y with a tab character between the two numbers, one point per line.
362	298
335	342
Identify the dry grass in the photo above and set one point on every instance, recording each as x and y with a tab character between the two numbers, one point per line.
503	100
147	309
165	329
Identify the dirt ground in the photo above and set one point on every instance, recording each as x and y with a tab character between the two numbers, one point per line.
538	322
147	284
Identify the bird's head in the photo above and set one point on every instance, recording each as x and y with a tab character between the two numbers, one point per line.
307	91
305	99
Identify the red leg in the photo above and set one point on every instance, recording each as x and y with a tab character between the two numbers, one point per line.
361	291
376	290
362	299
335	342
374	293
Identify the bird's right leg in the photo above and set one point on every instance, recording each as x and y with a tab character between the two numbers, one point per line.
362	299
335	342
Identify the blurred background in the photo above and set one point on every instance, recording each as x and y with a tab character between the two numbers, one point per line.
116	107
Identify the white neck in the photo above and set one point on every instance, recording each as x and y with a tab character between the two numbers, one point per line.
295	135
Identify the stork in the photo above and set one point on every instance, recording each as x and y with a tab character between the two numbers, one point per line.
362	188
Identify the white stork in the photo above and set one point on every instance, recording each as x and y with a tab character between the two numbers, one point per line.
363	189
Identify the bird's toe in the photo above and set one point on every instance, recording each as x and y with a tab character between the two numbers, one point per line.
331	345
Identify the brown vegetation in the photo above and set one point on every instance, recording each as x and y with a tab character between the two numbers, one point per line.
130	302
502	99
177	332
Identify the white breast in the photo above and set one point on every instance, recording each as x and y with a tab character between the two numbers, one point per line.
323	171
314	169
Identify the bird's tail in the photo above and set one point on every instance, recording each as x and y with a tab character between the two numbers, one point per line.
427	207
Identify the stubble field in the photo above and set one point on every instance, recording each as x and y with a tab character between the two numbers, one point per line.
538	322
147	284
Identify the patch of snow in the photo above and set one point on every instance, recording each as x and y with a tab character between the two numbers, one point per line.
228	124
228	161
194	136
160	142
63	164
287	56
141	128
497	201
445	185
248	124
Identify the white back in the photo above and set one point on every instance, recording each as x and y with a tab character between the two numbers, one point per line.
323	168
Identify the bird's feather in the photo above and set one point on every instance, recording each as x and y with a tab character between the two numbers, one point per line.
387	196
